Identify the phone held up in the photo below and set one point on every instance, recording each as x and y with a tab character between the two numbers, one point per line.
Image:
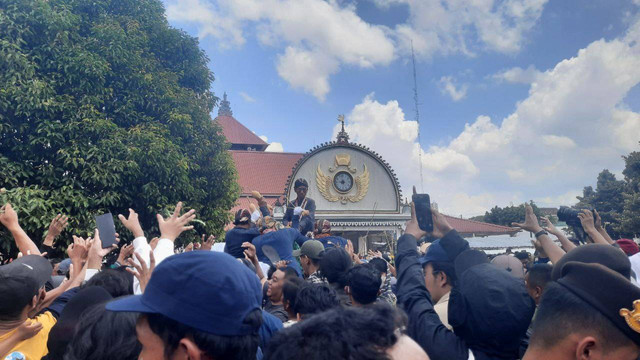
107	229
422	203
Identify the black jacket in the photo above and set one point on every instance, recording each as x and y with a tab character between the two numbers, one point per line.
424	326
503	296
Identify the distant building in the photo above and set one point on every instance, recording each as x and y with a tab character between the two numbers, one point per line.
354	188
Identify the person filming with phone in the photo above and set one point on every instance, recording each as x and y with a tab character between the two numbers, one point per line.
488	309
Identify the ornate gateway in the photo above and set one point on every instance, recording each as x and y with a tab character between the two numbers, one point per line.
343	181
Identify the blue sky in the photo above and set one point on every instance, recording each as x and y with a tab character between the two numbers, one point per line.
519	99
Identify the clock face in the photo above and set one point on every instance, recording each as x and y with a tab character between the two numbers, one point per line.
343	181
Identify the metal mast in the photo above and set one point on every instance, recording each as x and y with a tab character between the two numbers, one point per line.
415	99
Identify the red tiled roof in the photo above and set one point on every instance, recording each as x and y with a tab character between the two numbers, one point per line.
464	226
236	133
265	172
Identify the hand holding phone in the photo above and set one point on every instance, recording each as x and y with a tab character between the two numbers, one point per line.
107	229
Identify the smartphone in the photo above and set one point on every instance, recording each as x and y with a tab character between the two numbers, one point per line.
422	203
107	229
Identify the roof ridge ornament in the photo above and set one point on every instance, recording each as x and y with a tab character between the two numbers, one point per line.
225	106
343	137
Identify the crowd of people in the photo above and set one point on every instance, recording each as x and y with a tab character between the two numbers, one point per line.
292	290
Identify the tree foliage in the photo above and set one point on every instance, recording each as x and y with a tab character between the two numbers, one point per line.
103	107
630	217
607	198
509	214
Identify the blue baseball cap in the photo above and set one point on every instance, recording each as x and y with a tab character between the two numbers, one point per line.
206	290
435	252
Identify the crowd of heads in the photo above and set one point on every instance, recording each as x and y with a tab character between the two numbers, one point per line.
291	289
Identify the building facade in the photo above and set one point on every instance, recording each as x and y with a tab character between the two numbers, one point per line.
353	187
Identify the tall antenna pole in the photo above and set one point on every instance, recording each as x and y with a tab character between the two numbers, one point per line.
416	102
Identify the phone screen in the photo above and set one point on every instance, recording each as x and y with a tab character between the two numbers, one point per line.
107	229
423	211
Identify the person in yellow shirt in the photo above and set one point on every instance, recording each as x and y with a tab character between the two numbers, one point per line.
21	292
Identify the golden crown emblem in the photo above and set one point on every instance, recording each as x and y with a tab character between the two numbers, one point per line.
632	317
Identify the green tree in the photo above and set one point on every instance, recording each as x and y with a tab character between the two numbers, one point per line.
607	198
630	217
103	107
509	214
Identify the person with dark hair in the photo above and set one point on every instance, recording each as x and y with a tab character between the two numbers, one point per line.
363	284
536	280
590	312
301	212
200	304
439	278
104	335
289	291
310	254
272	303
524	258
371	333
63	331
281	242
313	299
334	266
489	309
117	282
242	232
384	268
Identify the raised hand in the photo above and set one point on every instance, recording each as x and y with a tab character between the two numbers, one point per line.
125	252
141	271
96	252
530	221
375	254
173	226
587	221
56	227
536	244
549	227
281	264
249	251
598	220
132	223
9	217
78	250
208	244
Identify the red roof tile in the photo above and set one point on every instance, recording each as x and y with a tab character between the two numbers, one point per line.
236	133
465	226
265	172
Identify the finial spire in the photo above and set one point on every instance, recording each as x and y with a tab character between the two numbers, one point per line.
225	106
343	137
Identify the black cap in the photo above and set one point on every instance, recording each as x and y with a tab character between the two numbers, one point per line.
606	255
614	296
20	281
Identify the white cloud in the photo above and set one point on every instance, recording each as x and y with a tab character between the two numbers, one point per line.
330	34
558	142
518	75
273	147
453	26
307	70
448	87
572	124
317	36
246	97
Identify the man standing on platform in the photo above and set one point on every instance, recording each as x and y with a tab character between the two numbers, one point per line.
301	212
